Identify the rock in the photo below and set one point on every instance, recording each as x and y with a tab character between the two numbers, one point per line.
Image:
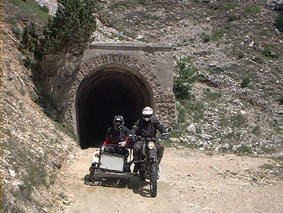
66	202
201	149
191	128
277	32
12	172
275	4
206	136
174	140
243	112
252	44
225	146
140	37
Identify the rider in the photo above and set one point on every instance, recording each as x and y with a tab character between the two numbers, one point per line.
116	139
146	127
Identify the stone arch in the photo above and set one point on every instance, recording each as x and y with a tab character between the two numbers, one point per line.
118	66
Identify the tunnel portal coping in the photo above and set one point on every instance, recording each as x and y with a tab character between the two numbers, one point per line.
132	46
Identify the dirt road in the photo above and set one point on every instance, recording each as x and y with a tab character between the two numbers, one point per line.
189	182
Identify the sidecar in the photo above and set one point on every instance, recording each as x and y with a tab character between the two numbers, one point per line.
109	162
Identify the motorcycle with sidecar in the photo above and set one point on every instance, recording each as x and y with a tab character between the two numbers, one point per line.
116	163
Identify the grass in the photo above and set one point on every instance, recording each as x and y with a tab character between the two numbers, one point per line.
230	6
256	130
253	9
212	96
242	150
238	120
31	9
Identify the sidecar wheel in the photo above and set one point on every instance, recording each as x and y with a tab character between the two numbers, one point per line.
91	177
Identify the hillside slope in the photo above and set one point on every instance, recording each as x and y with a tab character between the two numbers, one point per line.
227	41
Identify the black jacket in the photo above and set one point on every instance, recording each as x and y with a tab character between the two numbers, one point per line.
117	136
147	128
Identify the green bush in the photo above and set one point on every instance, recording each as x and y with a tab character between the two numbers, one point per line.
230	6
240	55
267	52
245	82
205	37
44	8
232	18
280	100
69	31
16	32
258	60
218	34
279	21
185	75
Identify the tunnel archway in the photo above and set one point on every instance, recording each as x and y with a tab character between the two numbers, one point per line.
109	91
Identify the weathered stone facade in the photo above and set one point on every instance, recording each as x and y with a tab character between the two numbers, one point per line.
152	65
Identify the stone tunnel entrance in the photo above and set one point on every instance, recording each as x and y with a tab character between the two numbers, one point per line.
111	79
108	92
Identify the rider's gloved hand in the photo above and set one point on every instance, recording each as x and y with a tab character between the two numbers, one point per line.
123	144
165	136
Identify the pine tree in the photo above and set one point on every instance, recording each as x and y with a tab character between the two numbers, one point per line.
71	28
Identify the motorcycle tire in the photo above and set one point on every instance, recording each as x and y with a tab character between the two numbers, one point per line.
153	179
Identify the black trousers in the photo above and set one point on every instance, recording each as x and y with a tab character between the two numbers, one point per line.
112	149
138	149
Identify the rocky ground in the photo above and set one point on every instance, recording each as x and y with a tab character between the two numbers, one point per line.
189	182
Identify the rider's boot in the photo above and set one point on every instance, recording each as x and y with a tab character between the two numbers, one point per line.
136	169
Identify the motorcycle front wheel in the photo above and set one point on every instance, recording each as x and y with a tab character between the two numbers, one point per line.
153	179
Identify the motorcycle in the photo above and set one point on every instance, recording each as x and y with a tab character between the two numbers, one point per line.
149	165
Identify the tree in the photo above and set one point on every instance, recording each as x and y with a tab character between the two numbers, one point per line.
71	28
184	76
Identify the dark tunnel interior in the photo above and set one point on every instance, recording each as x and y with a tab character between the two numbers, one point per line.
102	96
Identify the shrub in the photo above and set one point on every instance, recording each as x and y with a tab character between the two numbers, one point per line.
238	120
240	55
232	18
185	75
205	37
279	21
16	32
256	130
230	6
218	34
212	96
245	82
267	52
280	100
244	150
258	60
69	31
44	8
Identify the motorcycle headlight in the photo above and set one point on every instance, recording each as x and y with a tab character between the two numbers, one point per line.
151	145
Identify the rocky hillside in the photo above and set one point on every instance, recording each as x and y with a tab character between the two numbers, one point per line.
236	106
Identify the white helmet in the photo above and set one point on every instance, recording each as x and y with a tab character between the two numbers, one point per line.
147	113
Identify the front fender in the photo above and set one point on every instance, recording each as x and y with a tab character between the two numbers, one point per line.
152	153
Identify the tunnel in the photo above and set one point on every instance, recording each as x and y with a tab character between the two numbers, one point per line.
107	92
